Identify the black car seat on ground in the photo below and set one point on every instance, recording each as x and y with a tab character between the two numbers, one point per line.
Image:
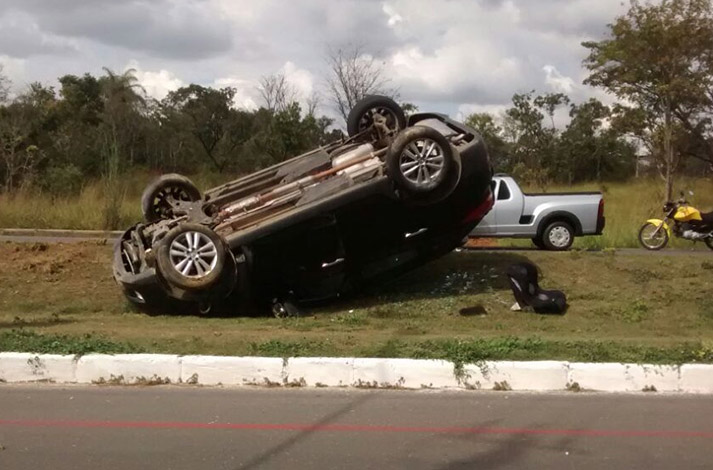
523	281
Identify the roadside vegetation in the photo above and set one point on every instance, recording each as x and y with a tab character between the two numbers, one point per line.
62	298
73	156
627	206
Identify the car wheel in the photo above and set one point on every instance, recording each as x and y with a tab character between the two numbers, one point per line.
652	237
361	116
538	243
422	163
191	257
558	236
159	197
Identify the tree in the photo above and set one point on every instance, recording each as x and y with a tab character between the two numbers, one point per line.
353	74
533	147
658	58
18	155
592	148
206	113
276	92
492	133
123	110
4	86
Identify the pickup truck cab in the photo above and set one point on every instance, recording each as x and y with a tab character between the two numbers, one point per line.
551	220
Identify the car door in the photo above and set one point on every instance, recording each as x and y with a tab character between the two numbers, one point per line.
508	209
306	260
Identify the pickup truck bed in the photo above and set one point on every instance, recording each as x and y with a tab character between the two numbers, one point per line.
551	220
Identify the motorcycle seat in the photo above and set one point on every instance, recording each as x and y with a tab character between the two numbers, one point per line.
707	218
523	278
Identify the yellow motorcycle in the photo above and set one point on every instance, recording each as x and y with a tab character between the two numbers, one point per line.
688	223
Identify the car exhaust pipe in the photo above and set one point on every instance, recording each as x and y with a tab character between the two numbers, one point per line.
259	199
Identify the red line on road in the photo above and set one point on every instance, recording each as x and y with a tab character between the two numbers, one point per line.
352	428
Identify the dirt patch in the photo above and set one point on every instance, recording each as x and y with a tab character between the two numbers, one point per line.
43	258
473	242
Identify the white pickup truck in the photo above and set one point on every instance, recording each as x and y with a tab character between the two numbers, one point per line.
551	220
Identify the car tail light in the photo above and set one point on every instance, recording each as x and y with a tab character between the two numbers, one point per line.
480	211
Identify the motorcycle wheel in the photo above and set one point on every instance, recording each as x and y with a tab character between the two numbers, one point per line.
652	237
709	242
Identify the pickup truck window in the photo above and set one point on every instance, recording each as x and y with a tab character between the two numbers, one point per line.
504	191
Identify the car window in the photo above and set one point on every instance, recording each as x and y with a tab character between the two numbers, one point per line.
504	191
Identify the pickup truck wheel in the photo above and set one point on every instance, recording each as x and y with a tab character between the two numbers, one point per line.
159	196
539	243
361	116
422	163
191	257
558	236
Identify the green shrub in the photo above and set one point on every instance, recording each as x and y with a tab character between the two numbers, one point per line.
63	181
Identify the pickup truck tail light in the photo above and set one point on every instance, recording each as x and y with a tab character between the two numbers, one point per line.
600	217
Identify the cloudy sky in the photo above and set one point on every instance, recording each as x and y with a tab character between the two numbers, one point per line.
453	56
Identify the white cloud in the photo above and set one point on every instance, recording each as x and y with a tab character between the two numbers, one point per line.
15	70
558	82
21	37
394	17
245	91
301	79
157	84
439	54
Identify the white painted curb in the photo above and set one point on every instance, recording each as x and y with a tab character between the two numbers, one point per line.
353	372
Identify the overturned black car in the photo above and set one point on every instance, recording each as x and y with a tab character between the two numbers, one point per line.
392	195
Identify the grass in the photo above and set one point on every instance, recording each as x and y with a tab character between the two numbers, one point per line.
31	208
628	206
629	308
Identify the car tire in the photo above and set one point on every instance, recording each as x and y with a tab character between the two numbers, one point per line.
360	116
156	198
191	257
423	164
538	243
558	236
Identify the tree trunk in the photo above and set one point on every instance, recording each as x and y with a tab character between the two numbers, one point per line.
668	153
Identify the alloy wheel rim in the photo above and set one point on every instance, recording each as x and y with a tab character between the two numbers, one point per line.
559	237
650	237
167	197
422	161
193	254
367	119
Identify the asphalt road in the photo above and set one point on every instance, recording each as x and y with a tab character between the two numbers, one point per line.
195	428
699	250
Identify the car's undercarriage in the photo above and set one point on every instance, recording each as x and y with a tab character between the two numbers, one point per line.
194	244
